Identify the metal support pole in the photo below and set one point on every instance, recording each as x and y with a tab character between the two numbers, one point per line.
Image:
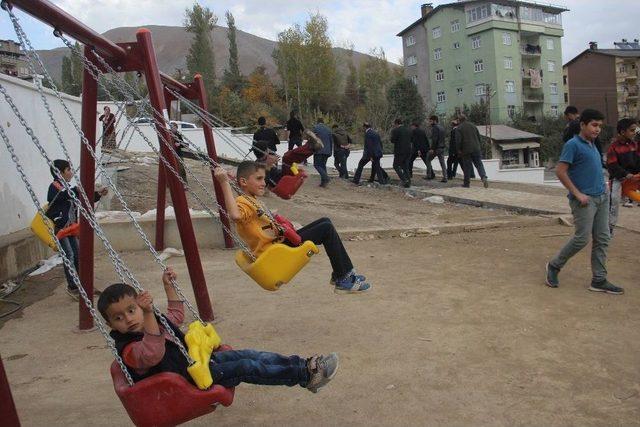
183	218
8	413
87	180
162	193
198	85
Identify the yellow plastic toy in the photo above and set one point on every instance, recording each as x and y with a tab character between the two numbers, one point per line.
277	265
40	226
294	169
201	341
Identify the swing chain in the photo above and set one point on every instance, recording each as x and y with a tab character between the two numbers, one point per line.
70	267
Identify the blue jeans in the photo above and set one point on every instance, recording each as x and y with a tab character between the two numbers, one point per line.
230	368
320	163
70	248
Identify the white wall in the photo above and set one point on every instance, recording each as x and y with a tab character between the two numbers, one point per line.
16	207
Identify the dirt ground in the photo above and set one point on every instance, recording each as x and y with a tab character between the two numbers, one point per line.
458	329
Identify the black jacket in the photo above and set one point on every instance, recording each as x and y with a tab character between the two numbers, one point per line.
401	140
62	210
437	137
419	140
172	361
267	136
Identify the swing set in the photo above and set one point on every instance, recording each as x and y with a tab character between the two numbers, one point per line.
167	398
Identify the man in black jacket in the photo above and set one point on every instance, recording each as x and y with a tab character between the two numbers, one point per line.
264	135
420	144
452	160
401	140
437	148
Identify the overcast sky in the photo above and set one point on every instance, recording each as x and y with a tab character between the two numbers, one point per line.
365	24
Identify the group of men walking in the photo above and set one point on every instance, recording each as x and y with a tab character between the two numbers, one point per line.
409	143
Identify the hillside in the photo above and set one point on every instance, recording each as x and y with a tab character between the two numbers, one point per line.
172	45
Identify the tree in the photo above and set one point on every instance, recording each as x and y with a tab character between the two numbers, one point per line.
232	77
374	78
288	56
71	78
200	21
405	101
351	97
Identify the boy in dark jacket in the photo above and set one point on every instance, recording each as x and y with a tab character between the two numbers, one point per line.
341	149
420	145
437	148
623	163
372	153
147	348
63	212
401	140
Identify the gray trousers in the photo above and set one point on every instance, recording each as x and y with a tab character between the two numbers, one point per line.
591	221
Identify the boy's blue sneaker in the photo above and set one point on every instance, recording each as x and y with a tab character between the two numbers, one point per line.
322	369
353	274
552	276
606	287
350	285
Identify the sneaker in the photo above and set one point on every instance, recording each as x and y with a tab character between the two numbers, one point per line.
485	182
407	184
628	204
322	369
73	292
351	285
606	287
315	142
356	276
552	276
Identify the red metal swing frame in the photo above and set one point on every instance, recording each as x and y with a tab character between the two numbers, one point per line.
136	56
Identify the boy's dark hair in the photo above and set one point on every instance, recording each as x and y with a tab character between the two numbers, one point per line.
247	168
625	124
59	164
366	125
320	120
590	115
570	110
335	126
398	121
262	121
434	118
416	124
112	294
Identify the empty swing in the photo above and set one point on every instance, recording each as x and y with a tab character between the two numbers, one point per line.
289	184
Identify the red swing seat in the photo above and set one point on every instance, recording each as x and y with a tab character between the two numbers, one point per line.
167	399
289	184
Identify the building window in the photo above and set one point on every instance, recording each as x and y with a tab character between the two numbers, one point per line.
564	80
566	98
551	66
442	97
459	91
412	60
481	89
510	86
476	42
455	26
506	39
439	75
437	54
458	67
411	40
456	45
511	110
508	63
478	66
550	45
436	32
477	13
414	80
553	88
554	111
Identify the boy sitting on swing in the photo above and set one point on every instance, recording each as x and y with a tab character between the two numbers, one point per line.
258	230
147	348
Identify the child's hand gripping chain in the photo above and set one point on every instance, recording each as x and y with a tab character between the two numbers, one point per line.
201	341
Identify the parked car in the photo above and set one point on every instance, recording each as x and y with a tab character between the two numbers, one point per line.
184	125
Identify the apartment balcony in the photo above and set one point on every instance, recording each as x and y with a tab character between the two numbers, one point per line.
529	98
530	50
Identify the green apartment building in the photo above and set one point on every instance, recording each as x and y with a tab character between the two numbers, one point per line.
503	51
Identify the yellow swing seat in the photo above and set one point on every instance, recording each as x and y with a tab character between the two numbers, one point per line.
40	225
277	265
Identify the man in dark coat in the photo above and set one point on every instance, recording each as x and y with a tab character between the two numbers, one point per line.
468	146
264	135
372	153
452	160
420	144
401	140
437	148
341	149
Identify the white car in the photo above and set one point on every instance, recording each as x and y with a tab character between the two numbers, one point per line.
184	125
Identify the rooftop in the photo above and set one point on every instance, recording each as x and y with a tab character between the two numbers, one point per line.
621	53
506	133
547	7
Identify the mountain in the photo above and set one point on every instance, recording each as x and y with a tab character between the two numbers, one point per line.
172	45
